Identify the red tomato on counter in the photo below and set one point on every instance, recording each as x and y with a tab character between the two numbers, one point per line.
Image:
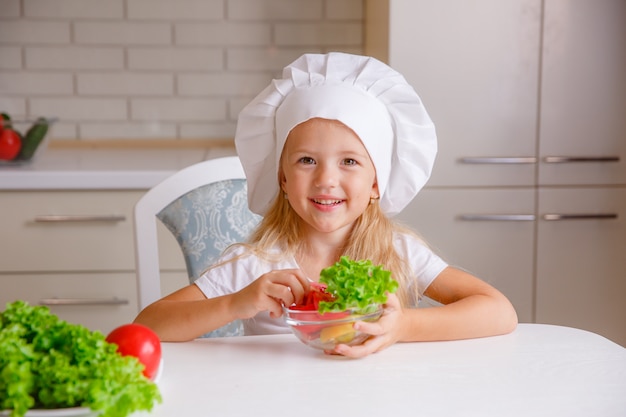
141	342
10	144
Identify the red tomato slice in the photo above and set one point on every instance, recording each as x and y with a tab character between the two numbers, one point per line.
141	342
312	299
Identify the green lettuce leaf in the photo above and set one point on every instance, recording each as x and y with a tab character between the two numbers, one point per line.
356	285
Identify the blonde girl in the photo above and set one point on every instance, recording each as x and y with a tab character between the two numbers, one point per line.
332	151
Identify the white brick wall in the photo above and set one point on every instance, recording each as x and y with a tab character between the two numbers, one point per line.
157	69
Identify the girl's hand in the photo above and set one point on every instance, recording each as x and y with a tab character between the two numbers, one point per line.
385	331
270	292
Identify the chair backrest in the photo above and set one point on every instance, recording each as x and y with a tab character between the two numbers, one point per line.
205	207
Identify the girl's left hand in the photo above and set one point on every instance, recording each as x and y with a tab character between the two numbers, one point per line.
385	331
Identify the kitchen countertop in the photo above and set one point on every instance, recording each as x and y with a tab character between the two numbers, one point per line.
93	169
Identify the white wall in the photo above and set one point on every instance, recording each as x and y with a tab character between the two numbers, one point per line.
157	69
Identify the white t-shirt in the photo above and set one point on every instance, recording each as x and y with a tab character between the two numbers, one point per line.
231	277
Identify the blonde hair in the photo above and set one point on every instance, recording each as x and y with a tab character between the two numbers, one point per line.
281	228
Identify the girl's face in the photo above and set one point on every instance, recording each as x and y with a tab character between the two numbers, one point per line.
327	175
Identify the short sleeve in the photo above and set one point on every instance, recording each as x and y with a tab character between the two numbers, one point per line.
424	263
235	270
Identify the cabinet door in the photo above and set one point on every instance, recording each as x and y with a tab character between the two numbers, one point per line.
581	259
488	232
475	64
67	230
583	93
74	231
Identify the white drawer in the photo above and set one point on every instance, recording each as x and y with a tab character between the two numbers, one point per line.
95	235
74	231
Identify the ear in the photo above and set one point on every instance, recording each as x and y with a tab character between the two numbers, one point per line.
282	180
375	193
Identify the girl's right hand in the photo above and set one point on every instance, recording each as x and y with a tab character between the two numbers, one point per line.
270	292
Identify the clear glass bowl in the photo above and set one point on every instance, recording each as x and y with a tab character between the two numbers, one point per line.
325	331
22	126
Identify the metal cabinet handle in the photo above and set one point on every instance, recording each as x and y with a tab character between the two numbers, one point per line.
499	160
62	218
532	159
498	217
566	159
83	301
600	216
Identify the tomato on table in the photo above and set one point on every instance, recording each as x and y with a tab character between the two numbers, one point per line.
141	342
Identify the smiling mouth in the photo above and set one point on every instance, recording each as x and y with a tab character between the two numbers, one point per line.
327	202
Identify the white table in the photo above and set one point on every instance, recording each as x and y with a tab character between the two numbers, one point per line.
538	370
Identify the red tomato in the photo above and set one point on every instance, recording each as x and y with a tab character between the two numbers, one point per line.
10	144
140	341
312	299
310	305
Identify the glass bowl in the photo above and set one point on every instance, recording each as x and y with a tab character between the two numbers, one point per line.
327	330
38	140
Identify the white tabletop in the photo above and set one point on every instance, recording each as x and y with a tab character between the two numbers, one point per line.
538	370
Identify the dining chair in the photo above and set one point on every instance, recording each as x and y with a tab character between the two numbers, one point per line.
205	207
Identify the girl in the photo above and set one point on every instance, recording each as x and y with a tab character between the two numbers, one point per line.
331	151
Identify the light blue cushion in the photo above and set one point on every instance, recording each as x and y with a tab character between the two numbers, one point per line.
206	221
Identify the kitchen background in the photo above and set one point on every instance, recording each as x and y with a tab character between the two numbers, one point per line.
528	96
157	69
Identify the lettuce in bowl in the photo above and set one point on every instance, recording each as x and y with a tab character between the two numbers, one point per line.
356	285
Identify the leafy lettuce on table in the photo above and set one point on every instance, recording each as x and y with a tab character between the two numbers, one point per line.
47	363
355	285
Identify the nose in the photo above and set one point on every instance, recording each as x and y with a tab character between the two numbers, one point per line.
326	175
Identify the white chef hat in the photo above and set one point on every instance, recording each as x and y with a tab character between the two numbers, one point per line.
366	95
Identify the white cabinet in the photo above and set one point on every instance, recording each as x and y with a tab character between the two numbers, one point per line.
581	235
529	101
582	126
74	251
468	229
67	230
475	65
581	262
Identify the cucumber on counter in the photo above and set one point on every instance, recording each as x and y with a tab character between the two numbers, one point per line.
33	138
